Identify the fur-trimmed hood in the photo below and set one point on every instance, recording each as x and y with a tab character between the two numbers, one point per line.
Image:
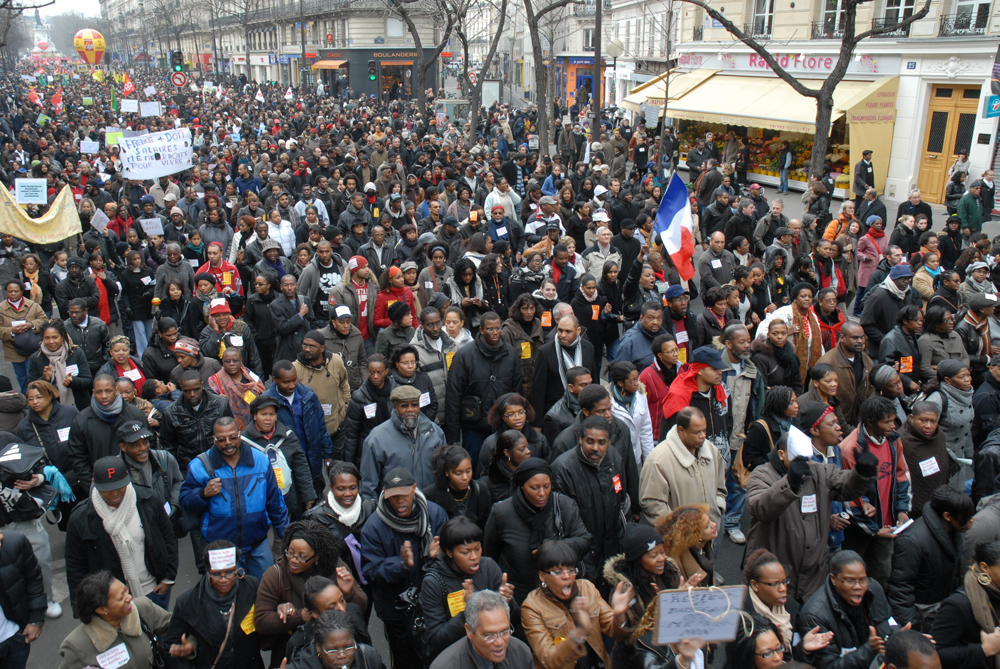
761	346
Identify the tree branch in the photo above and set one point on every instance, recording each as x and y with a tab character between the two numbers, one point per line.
559	4
902	24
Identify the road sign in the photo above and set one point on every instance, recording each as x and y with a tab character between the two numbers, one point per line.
472	78
178	79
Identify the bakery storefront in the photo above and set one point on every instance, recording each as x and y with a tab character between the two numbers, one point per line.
739	93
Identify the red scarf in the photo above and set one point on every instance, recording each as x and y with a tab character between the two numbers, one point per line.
876	234
103	308
686	385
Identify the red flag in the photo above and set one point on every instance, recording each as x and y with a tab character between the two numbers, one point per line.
56	100
129	86
33	97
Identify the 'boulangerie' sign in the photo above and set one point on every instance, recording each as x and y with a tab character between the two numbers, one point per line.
156	154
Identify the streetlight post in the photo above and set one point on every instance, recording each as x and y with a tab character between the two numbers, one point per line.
615	49
598	100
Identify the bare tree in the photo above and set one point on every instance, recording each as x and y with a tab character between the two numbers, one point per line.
823	95
443	9
175	18
532	22
476	90
10	10
244	13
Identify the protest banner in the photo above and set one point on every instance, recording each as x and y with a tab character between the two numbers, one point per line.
151	226
87	146
156	154
711	614
99	220
149	90
87	102
112	135
31	191
62	220
129	106
149	108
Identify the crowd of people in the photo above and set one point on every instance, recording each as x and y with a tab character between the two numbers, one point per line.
372	368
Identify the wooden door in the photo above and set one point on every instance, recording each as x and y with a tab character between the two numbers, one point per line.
951	117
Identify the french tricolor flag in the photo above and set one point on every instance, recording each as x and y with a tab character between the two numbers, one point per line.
674	224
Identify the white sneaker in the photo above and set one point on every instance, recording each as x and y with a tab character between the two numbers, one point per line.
736	536
53	610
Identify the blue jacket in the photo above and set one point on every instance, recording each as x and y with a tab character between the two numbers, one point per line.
308	423
636	346
248	505
382	565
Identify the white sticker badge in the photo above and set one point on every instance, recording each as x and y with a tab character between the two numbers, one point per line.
224	558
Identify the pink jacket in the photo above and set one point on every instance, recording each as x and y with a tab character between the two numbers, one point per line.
870	251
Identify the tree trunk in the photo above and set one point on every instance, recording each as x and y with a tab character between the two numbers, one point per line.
821	140
541	92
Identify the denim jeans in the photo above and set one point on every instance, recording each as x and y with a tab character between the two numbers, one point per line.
163	601
736	499
783	186
141	331
472	442
257	560
21	372
14	652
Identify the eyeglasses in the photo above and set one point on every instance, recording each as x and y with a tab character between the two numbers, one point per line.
768	654
515	414
853	582
556	573
301	559
776	584
492	330
492	638
334	652
229	573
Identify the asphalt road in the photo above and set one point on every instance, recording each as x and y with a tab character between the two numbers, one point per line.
45	651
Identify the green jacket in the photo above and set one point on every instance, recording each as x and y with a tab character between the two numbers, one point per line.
970	210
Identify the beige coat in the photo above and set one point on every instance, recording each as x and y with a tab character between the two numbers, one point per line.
548	624
331	387
31	312
86	642
673	477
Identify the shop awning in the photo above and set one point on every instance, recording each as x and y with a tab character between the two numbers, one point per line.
652	91
395	62
765	102
327	64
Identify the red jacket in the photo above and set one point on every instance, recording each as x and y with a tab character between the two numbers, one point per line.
385	298
656	390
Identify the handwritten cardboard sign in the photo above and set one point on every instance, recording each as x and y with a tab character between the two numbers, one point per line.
711	614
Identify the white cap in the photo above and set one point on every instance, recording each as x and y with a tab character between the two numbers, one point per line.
600	215
599	190
370	185
342	311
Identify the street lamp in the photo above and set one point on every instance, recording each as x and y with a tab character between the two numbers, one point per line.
615	48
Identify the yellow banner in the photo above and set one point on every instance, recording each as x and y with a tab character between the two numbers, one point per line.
61	221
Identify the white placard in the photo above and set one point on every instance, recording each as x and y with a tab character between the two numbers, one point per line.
799	445
72	370
149	108
711	614
63	433
113	658
132	374
99	221
899	530
146	280
224	558
149	90
31	191
717	264
929	467
809	504
14	324
131	106
502	231
370	410
151	226
236	340
156	154
89	146
194	262
327	409
425	399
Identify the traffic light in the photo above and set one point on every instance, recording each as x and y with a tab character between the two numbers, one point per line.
177	61
372	75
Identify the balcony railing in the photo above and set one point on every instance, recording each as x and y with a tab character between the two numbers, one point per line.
888	23
760	28
962	25
829	29
590	8
698	34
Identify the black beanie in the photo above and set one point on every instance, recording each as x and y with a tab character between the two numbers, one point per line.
639	540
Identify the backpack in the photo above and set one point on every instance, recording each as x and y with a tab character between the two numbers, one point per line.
191	520
740	471
413	613
282	472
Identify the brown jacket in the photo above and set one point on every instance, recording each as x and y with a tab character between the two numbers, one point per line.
547	625
83	645
31	312
673	477
850	394
777	522
331	386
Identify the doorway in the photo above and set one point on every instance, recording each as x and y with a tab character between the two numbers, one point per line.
951	118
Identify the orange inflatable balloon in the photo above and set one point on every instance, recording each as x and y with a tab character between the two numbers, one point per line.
90	45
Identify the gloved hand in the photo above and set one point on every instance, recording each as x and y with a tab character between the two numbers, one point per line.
798	472
866	464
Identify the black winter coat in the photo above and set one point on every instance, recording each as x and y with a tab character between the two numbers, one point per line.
956	633
441	629
95	341
188	315
66	290
92	438
879	318
476	506
22	594
257	315
926	566
784	373
89	548
80	384
136	296
290	327
37	432
548	388
422	382
191	617
187	433
358	423
986	465
209	340
897	346
507	537
477	372
158	361
825	609
986	404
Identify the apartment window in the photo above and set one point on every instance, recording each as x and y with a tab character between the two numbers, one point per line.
833	14
617	26
393	27
897	10
971	13
763	13
664	31
588	39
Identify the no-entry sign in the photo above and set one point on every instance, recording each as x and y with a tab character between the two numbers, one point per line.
178	79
